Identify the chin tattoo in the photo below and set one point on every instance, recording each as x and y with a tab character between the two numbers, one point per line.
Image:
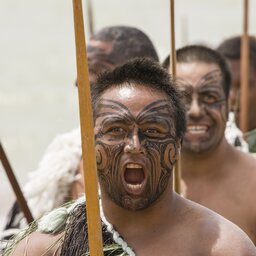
159	152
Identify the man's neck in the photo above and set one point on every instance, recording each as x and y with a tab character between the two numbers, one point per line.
154	218
205	164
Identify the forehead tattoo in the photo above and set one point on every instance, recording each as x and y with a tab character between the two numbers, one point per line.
159	150
209	83
212	78
154	109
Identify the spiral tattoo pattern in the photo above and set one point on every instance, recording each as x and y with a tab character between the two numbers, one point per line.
160	150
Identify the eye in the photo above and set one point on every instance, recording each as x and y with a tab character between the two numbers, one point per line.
209	99
153	133
116	131
151	130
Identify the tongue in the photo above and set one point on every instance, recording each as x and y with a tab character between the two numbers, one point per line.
134	175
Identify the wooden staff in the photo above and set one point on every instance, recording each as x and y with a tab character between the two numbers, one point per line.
172	46
244	87
90	16
15	185
87	136
177	167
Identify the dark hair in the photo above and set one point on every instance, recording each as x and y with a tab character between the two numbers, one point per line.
123	43
200	53
231	48
148	73
128	43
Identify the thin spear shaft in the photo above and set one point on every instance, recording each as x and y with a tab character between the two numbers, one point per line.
177	167
172	46
244	72
15	185
90	16
87	136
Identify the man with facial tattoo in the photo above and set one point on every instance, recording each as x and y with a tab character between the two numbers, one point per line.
139	123
58	177
214	173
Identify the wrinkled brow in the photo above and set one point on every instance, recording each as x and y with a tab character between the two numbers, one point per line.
107	107
158	107
211	77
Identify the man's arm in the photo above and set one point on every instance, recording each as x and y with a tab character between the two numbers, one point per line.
38	244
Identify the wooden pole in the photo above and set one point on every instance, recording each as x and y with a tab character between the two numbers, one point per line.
244	87
177	167
87	136
90	16
172	46
15	185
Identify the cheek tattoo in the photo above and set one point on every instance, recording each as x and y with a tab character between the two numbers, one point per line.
155	132
162	154
108	158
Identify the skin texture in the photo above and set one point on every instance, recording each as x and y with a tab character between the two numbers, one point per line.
38	244
217	176
160	226
170	224
235	66
118	130
204	94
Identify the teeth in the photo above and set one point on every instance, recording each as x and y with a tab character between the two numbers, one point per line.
197	128
133	166
134	187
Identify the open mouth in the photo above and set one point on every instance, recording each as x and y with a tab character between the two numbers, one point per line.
134	178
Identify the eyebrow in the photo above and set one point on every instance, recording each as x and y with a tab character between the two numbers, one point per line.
113	105
111	119
214	75
209	87
155	108
114	117
201	85
159	121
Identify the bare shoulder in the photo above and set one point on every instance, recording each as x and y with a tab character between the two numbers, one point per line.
248	160
244	168
38	244
217	235
232	241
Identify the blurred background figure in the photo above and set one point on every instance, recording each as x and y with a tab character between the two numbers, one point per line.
214	173
231	49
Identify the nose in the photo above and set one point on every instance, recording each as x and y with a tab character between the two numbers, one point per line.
133	144
194	109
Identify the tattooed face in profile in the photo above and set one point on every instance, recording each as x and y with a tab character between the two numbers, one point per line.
136	145
206	109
